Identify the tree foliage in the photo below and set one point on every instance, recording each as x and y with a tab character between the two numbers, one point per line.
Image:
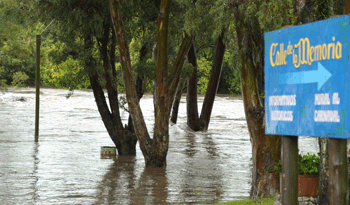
61	44
17	41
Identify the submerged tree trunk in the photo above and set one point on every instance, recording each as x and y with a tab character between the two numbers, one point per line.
177	100
154	150
123	138
192	107
213	84
139	84
266	149
193	121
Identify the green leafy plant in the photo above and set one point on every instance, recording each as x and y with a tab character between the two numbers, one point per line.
20	79
308	164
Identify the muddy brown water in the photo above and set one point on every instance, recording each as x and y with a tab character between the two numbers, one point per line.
65	167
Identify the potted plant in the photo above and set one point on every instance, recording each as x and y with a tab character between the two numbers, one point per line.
308	174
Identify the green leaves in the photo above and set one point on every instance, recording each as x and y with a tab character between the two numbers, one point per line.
67	74
17	42
308	164
204	68
20	79
205	19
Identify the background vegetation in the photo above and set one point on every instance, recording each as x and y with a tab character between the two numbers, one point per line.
61	67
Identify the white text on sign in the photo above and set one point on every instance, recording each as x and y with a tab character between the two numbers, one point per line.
282	100
326	115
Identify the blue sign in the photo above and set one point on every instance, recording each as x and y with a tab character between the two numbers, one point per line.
307	79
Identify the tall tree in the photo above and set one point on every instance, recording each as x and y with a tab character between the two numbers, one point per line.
252	19
88	24
266	149
154	150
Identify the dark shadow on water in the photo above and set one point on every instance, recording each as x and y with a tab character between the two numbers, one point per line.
202	175
120	185
119	179
210	146
152	187
191	149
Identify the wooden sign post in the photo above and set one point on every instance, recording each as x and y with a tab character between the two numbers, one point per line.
338	171
37	83
338	165
290	170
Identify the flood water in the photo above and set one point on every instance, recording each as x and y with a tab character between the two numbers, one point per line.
65	167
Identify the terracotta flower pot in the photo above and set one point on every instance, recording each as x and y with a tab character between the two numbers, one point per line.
308	185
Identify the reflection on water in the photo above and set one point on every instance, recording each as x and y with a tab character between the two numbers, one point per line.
35	172
65	166
119	178
151	187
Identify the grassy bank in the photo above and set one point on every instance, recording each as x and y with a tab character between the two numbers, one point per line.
265	201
